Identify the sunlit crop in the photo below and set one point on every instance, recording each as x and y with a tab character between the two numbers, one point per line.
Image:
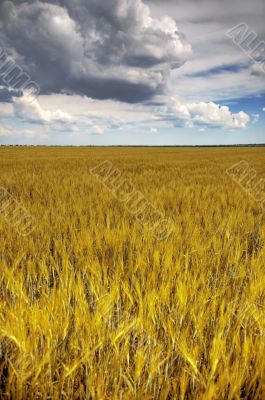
93	306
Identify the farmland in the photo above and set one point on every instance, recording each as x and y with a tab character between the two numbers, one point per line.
93	305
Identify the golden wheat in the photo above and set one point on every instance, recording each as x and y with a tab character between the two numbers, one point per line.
93	306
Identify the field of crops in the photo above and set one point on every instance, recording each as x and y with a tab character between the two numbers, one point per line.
94	305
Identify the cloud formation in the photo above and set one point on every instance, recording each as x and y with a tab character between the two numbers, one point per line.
219	69
100	49
33	112
203	114
118	51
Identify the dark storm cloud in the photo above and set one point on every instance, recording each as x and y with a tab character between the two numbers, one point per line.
101	49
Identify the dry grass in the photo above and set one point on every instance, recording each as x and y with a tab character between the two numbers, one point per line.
93	307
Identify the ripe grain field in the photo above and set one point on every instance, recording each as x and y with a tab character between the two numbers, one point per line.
94	306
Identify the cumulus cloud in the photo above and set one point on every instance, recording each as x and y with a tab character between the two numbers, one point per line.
33	112
169	110
119	50
216	115
101	49
201	113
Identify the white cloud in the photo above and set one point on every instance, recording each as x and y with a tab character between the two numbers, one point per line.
33	112
216	115
202	113
95	117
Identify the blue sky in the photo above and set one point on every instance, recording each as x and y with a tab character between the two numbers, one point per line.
129	72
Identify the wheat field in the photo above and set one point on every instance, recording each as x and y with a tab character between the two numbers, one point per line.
94	306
